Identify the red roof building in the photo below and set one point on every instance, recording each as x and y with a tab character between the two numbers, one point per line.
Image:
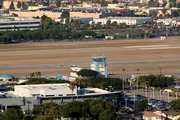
121	10
125	12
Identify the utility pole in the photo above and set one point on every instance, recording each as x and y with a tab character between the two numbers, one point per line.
160	71
153	92
146	90
123	79
160	94
134	99
137	81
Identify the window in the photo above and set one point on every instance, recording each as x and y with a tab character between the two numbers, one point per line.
150	118
49	95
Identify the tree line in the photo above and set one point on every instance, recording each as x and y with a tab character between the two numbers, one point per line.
100	82
44	81
93	109
96	109
8	36
51	30
156	80
19	5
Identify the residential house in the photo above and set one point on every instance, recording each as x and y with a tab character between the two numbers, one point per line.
173	115
146	115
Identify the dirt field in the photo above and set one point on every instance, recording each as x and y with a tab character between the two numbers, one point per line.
126	55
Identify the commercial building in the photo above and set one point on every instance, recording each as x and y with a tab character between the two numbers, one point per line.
127	20
74	12
80	19
168	22
20	23
112	5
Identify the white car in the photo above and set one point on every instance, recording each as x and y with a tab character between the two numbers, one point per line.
75	68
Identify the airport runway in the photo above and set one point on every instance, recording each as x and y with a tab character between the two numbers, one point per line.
149	47
88	63
46	66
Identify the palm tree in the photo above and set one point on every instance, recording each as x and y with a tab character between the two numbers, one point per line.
145	35
154	14
123	79
32	74
38	74
77	83
72	87
23	101
137	81
144	13
164	11
113	100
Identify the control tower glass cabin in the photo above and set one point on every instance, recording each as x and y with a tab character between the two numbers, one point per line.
100	66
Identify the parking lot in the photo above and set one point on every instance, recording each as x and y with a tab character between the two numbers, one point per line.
130	101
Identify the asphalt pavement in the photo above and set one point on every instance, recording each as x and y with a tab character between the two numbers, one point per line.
149	47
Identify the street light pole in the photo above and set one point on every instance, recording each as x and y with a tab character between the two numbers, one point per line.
123	79
146	90
160	71
134	99
137	81
126	102
153	93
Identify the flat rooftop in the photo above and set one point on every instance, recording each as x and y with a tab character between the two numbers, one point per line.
45	86
124	18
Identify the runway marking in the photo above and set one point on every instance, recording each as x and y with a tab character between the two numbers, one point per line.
158	48
147	46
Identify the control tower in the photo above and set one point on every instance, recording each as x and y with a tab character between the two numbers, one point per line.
100	66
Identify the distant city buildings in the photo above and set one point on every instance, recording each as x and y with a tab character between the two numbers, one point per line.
20	23
168	22
127	20
79	19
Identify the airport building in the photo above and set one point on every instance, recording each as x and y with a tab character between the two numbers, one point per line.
44	90
100	66
60	93
7	78
8	99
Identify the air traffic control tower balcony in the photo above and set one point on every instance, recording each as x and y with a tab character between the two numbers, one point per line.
100	66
